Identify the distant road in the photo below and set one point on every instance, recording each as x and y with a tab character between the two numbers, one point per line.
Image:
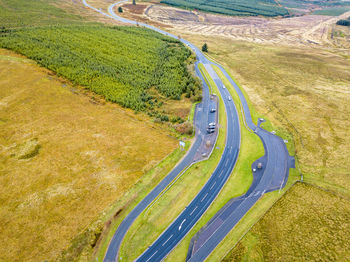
274	175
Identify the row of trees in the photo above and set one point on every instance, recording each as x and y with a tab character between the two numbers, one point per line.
233	7
344	22
120	63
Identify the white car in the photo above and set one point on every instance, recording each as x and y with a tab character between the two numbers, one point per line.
229	98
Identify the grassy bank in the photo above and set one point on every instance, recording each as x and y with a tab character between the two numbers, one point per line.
321	234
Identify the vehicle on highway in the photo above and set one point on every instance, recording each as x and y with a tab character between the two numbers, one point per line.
210	130
213	110
229	98
212	124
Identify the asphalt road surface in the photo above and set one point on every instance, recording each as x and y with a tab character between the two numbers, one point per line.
274	174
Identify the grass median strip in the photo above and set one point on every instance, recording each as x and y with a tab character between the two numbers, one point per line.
151	223
240	179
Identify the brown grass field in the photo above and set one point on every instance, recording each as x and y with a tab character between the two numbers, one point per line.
65	156
299	227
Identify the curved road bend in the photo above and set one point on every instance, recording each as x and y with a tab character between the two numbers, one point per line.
274	176
201	121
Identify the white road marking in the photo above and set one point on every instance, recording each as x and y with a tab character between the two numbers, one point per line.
226	162
204	197
152	256
221	173
167	240
212	185
193	210
263	192
257	193
182	224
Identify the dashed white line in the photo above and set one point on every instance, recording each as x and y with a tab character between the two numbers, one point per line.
226	162
193	211
212	185
221	173
257	193
204	197
152	256
167	240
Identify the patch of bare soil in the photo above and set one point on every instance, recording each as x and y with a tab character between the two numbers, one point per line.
137	13
301	30
136	9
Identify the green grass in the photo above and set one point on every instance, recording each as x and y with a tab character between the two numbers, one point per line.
333	11
18	13
229	7
151	223
307	224
119	63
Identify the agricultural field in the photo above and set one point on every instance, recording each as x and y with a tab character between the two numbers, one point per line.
295	31
65	156
229	7
308	224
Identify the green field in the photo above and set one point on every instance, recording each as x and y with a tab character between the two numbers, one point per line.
235	7
18	13
333	11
